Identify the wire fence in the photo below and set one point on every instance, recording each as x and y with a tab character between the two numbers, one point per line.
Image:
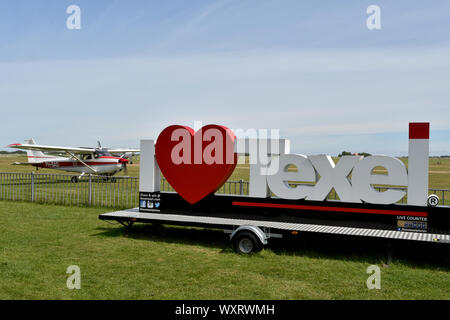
107	191
230	187
101	191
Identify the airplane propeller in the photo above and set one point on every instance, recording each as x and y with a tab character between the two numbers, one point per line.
124	162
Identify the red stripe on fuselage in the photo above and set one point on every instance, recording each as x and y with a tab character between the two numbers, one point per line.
330	209
41	157
79	164
62	164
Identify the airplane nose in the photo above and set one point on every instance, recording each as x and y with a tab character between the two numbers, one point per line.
121	160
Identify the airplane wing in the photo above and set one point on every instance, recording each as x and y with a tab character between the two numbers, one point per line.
123	150
26	146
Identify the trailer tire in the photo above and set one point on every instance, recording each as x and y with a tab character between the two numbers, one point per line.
246	242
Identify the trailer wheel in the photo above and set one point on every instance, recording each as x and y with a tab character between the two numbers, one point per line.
74	179
246	242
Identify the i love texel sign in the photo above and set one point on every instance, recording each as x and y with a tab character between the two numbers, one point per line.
197	164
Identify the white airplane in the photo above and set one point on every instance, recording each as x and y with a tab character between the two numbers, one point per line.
122	153
99	161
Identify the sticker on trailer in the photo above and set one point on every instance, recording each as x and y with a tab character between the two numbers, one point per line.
149	201
411	223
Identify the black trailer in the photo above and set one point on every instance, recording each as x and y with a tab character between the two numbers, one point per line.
251	222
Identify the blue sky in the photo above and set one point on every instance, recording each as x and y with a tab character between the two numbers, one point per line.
309	68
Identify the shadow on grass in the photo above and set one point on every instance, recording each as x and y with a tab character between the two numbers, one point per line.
365	249
312	245
209	238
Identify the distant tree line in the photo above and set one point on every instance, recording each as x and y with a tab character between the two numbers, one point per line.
347	153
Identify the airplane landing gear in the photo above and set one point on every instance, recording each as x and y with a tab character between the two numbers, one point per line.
76	179
109	179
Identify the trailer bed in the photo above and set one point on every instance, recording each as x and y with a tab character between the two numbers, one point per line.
133	215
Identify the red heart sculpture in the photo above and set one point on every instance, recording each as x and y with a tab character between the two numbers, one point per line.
196	164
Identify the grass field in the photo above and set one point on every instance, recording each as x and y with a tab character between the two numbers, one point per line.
38	242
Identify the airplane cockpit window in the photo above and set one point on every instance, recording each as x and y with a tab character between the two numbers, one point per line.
102	154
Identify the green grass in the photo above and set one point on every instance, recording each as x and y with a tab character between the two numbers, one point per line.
38	242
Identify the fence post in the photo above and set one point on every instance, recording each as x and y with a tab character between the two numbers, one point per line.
90	190
241	187
32	186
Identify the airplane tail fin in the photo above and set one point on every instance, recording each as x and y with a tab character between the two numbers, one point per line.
34	156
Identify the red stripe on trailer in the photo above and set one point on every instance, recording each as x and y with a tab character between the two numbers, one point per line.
326	208
419	130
